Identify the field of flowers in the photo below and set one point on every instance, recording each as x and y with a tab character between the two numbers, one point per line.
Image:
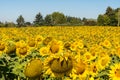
60	53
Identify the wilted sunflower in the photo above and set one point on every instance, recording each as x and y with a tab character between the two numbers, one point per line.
58	66
33	68
115	72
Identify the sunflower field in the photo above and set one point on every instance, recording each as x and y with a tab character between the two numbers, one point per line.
60	53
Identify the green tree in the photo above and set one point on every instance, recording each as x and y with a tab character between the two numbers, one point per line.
38	20
48	20
58	18
103	20
20	21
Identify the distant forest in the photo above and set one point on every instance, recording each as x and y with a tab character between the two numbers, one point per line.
111	17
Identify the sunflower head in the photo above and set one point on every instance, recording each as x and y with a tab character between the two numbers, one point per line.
56	47
22	51
47	40
11	47
33	68
80	67
115	72
31	42
60	65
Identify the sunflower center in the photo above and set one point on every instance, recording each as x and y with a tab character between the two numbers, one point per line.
61	67
54	48
103	62
117	73
31	43
23	51
2	47
94	69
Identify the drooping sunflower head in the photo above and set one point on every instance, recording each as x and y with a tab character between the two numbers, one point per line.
59	66
33	68
47	40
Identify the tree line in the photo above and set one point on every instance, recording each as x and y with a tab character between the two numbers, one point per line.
109	18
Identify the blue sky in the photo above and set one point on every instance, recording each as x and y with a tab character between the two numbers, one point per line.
11	9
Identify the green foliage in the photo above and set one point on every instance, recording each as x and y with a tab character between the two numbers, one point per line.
109	18
38	20
58	18
20	21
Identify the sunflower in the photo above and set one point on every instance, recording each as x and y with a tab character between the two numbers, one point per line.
33	68
58	65
31	42
115	72
106	43
47	40
44	51
11	47
55	47
118	51
80	71
38	39
103	62
20	43
88	57
22	51
3	47
93	69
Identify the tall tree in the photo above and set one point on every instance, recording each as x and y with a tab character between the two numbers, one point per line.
58	18
20	21
48	20
38	20
103	20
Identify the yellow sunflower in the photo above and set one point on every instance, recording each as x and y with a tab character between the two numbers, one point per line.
31	42
11	47
58	65
55	47
103	62
44	51
88	57
33	68
38	39
22	51
106	43
115	72
93	69
118	51
47	40
3	47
